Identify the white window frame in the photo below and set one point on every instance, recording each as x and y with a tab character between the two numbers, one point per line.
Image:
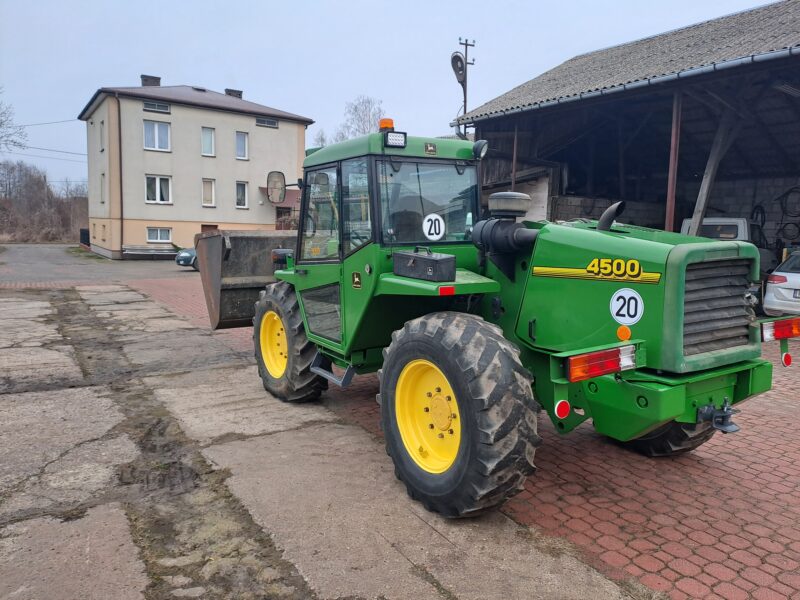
155	136
160	107
213	193
246	145
246	194
102	136
158	179
267	122
213	141
158	231
103	188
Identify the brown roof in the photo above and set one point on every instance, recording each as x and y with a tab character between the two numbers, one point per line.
770	31
192	96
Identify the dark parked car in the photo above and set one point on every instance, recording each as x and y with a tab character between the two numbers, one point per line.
187	258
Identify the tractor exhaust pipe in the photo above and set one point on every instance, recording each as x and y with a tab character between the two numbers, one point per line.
606	220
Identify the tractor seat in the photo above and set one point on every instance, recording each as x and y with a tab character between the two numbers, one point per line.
407	226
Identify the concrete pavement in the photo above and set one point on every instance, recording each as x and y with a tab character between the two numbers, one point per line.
142	447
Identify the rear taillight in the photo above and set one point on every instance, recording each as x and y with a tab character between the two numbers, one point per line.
776	279
780	330
603	362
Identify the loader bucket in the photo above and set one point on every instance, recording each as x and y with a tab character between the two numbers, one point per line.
234	267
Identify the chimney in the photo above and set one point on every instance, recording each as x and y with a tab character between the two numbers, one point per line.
150	81
234	93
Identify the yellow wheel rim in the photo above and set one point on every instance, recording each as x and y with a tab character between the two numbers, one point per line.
274	349
427	416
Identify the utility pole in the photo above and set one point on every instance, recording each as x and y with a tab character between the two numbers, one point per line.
460	63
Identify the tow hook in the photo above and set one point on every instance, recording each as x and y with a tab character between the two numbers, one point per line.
720	417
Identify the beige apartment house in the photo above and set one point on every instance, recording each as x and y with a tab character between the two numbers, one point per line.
166	162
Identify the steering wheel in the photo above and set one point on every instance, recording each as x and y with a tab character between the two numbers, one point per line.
355	235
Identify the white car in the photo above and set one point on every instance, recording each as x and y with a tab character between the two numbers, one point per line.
782	296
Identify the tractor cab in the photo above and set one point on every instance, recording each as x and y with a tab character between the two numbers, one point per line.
363	201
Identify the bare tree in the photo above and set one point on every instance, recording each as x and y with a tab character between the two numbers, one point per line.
32	211
361	117
11	136
320	139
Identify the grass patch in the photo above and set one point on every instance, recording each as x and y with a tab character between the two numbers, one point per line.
82	252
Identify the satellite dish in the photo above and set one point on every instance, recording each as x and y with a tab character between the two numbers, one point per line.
459	67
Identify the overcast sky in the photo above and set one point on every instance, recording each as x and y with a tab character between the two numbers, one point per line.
304	57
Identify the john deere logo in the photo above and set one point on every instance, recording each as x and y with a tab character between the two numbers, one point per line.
430	148
357	280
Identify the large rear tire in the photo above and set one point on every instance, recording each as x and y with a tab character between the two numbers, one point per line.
282	350
672	439
458	413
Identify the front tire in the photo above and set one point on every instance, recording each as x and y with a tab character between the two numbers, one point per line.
283	352
672	439
458	413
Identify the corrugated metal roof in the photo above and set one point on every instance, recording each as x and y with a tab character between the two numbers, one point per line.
194	96
750	33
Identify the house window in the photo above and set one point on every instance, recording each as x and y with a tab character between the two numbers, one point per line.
102	188
102	136
156	135
241	194
159	234
158	189
241	145
207	141
265	122
94	231
209	190
103	238
156	107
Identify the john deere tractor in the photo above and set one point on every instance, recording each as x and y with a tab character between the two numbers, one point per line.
476	320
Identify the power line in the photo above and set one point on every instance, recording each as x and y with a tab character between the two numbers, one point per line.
48	123
59	151
41	156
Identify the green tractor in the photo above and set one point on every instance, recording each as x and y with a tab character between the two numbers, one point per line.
476	320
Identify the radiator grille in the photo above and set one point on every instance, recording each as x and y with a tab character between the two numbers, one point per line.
716	314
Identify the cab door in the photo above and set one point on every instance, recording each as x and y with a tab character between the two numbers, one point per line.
319	258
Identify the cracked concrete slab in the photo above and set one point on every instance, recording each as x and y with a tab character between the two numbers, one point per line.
21	308
39	428
92	558
30	333
216	403
112	297
75	477
21	367
361	535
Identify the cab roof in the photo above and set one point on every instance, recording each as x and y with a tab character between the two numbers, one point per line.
374	144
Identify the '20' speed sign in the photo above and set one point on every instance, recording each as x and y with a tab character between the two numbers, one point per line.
627	306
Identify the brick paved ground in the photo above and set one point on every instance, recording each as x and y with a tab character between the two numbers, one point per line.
721	522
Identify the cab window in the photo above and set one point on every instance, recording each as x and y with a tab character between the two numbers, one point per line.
355	204
426	202
320	225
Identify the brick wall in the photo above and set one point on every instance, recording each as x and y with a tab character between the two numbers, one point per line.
738	198
565	208
728	199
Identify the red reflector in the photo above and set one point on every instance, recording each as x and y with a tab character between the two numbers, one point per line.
562	409
447	290
594	364
780	330
776	279
786	359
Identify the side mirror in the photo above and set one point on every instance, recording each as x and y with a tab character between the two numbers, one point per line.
276	187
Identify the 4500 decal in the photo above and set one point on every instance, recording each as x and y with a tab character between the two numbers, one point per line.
604	269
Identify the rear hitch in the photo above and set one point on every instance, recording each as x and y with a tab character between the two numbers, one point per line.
720	418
